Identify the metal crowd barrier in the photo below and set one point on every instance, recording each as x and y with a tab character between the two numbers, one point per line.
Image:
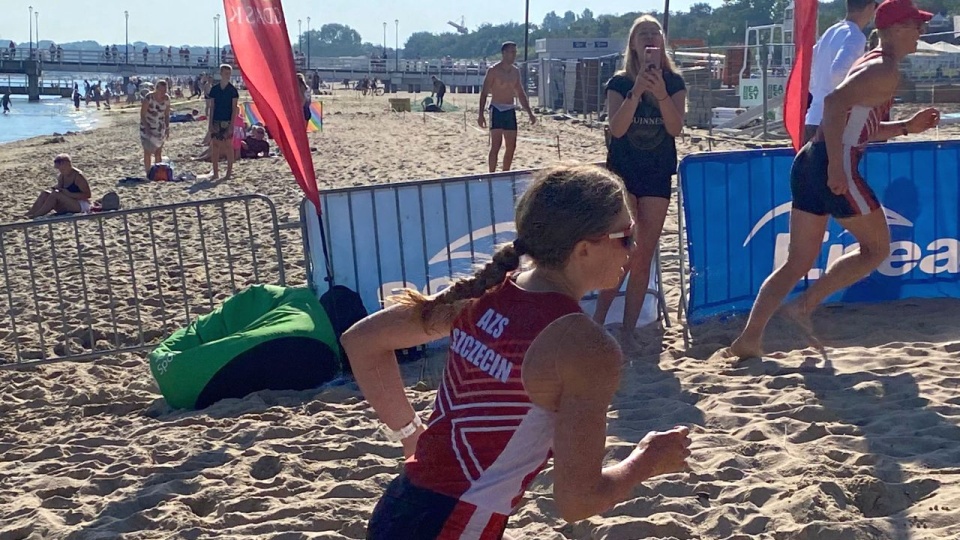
80	287
419	235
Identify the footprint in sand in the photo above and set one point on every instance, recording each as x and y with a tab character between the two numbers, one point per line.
266	467
201	506
810	433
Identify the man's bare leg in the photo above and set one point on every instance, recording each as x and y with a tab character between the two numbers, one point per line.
215	157
510	146
231	156
873	235
806	236
496	139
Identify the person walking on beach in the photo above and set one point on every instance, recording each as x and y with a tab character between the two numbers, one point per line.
439	89
5	102
646	103
154	125
527	374
76	97
222	103
307	96
833	55
504	84
825	180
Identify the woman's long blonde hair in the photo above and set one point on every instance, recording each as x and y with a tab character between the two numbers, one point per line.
632	61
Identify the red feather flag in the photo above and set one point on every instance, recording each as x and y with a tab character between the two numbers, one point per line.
796	98
261	45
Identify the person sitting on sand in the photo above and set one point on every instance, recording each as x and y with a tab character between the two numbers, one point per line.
528	374
255	144
71	194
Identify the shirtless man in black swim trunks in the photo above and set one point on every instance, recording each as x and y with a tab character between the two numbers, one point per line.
504	83
825	180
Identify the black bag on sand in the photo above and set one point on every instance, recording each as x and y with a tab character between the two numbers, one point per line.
110	201
344	307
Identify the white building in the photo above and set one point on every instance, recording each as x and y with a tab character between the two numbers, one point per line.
572	71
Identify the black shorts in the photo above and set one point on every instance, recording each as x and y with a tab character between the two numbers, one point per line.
811	194
408	512
505	120
640	184
222	131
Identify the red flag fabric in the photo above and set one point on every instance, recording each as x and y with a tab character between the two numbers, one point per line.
795	99
261	47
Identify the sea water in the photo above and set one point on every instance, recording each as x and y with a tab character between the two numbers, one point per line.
45	117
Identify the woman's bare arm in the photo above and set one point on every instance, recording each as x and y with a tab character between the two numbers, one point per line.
588	365
371	343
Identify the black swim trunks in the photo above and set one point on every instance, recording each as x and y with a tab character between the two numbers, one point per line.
408	512
222	131
811	194
505	120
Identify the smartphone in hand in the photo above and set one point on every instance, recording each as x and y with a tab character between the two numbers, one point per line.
651	58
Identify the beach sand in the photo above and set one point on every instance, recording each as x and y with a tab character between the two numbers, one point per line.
862	445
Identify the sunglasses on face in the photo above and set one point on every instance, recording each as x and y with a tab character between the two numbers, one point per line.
57	162
625	236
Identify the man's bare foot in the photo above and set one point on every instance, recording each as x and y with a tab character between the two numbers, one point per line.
227	176
795	313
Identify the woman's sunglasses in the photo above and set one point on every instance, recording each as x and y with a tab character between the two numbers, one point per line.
625	236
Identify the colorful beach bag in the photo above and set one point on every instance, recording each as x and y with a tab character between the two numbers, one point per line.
161	172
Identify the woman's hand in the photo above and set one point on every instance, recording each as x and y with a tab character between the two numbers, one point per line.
655	84
640	85
923	120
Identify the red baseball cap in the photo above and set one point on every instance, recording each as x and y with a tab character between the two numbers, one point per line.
892	12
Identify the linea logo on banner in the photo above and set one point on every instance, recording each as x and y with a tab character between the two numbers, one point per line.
485	240
940	255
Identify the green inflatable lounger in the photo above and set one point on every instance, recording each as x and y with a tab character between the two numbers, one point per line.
263	338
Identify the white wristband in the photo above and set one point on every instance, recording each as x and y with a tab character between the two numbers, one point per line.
405	431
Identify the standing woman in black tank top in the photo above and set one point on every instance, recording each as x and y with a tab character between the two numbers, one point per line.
646	103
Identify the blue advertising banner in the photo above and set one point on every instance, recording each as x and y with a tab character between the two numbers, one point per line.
737	205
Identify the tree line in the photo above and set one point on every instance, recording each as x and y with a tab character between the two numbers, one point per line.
723	25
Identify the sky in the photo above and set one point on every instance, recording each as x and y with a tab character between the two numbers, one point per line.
190	22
